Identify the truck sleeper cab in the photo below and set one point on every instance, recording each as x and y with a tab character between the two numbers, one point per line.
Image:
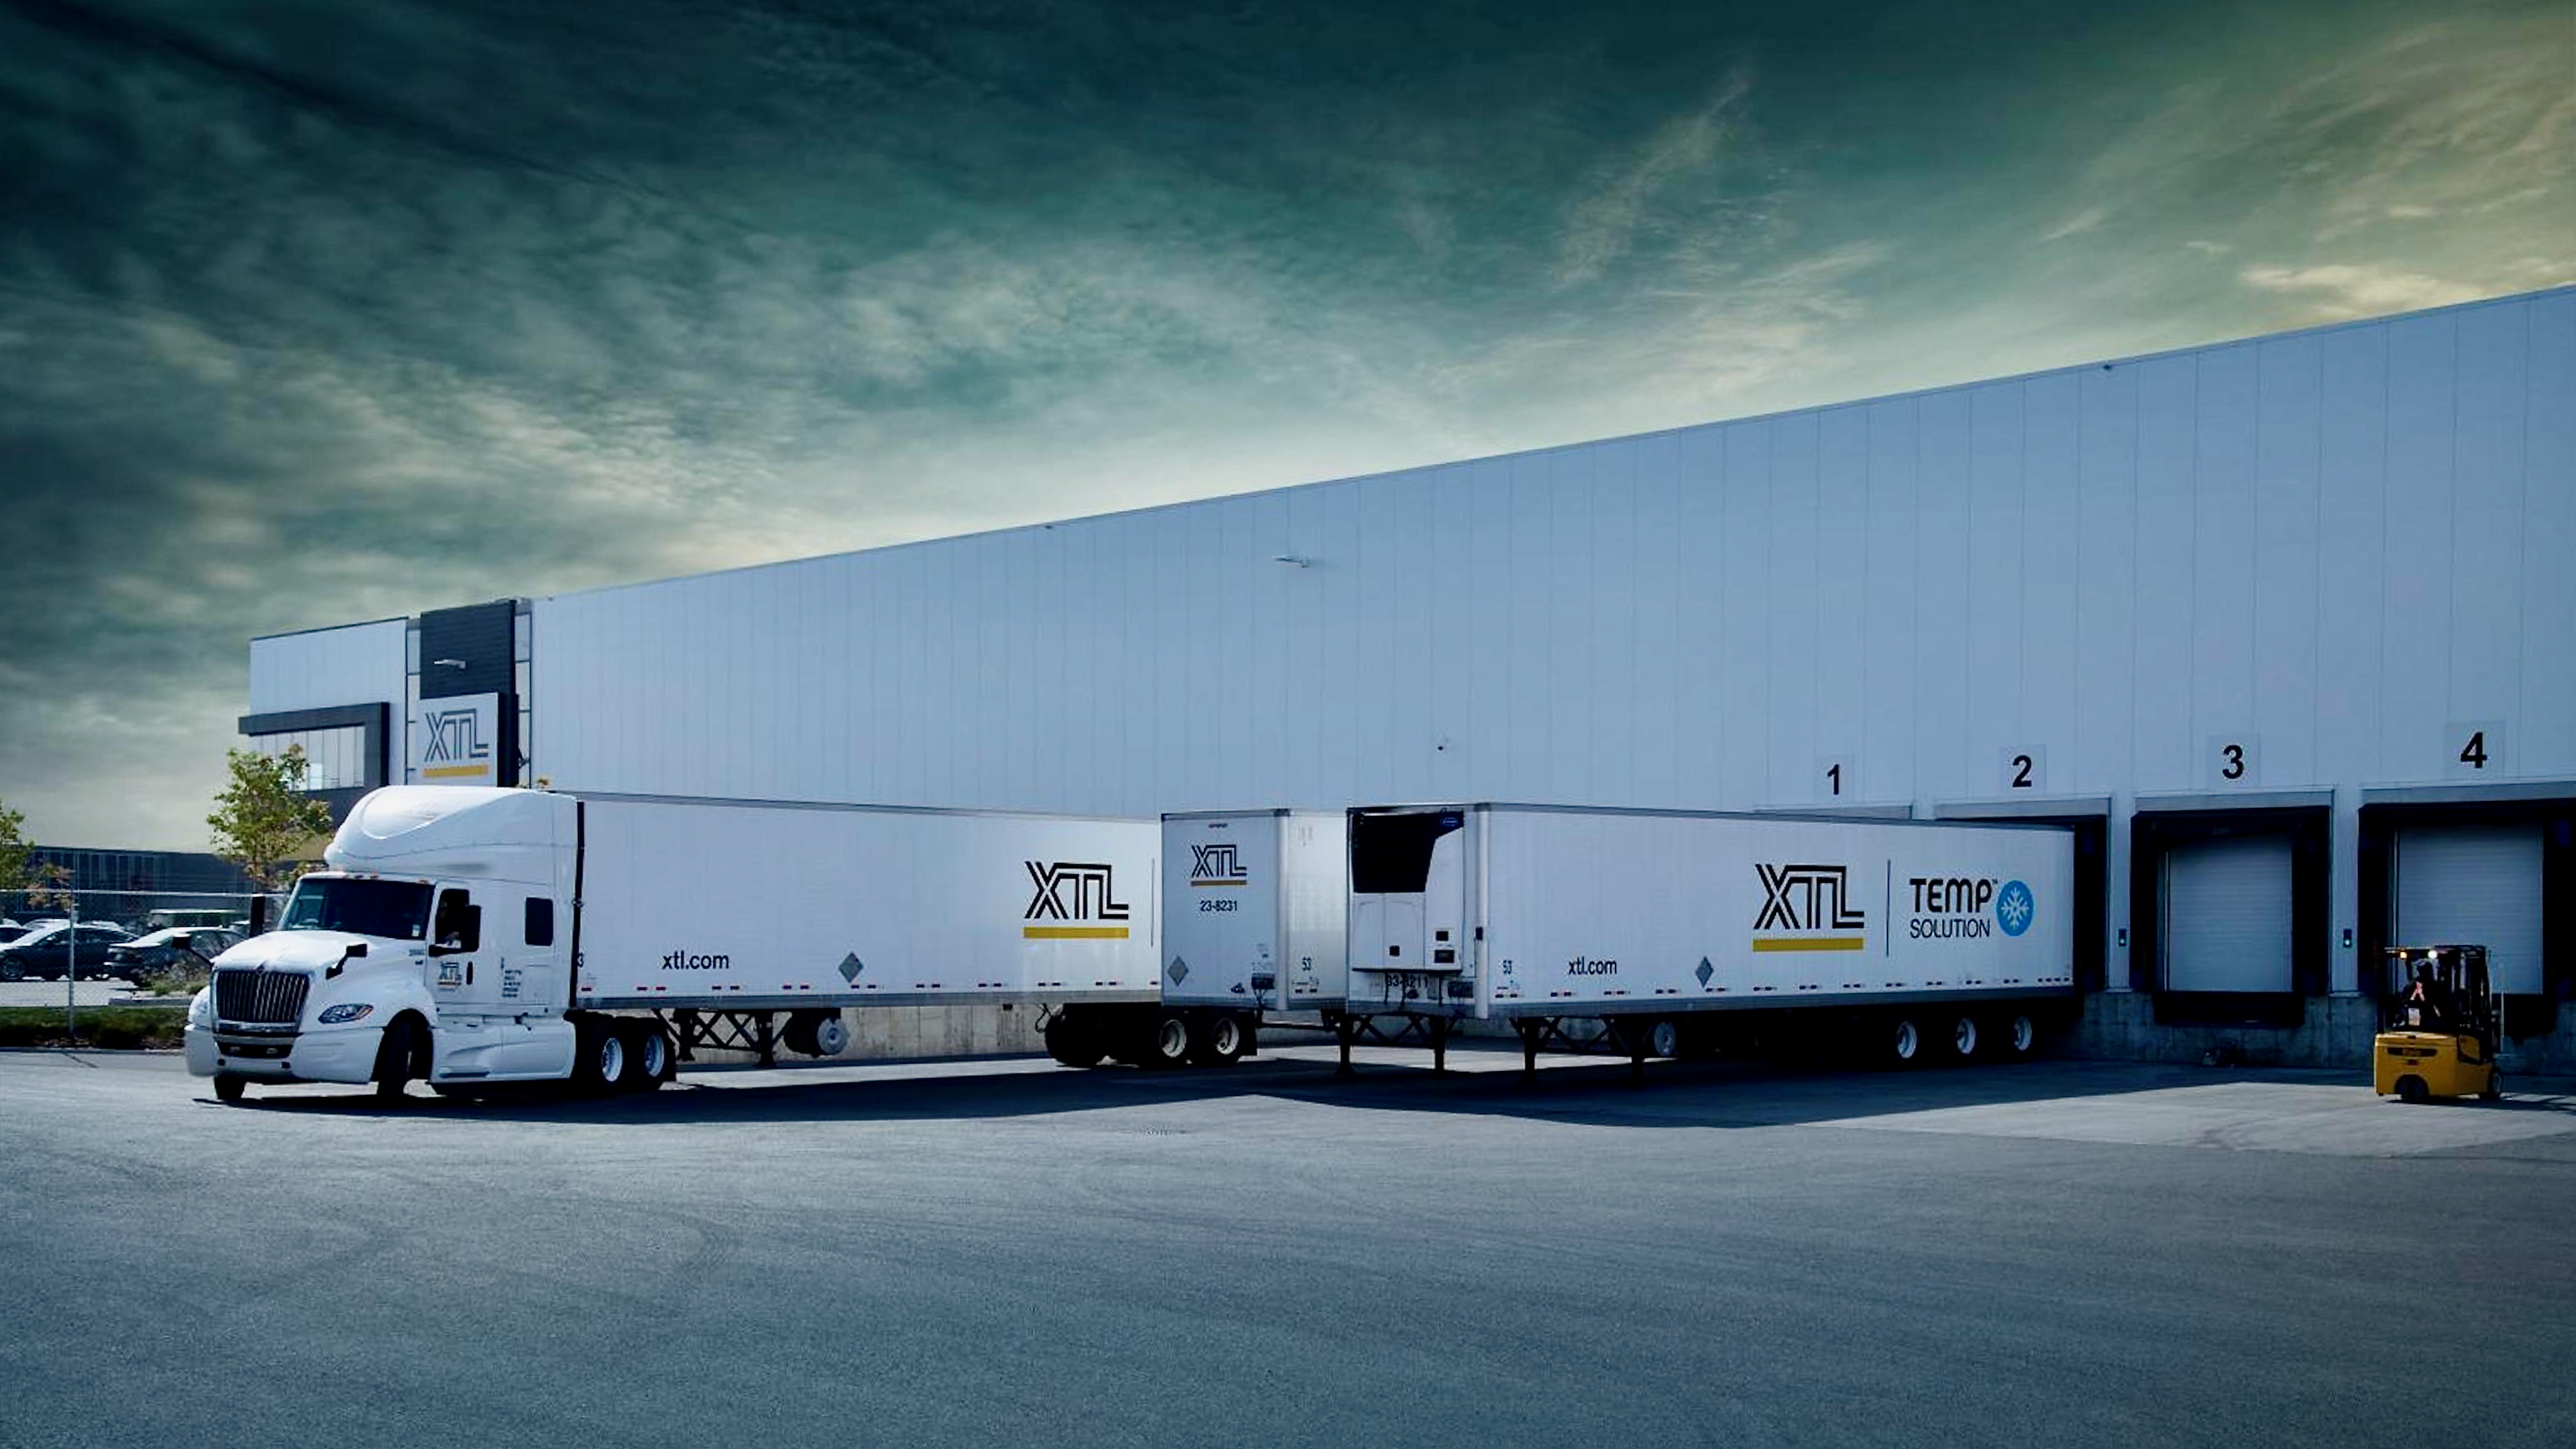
460	980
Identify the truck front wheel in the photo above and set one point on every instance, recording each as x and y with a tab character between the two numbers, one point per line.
229	1088
397	1059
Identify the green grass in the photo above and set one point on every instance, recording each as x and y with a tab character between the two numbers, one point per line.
114	1028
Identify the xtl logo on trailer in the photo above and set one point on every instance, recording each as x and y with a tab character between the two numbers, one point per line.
1216	865
1077	894
1804	902
453	743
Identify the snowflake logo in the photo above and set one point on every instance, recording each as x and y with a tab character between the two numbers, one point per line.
2014	906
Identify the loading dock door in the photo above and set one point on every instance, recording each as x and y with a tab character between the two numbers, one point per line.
2227	915
2473	885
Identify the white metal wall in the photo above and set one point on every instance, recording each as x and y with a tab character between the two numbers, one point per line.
2337	552
327	668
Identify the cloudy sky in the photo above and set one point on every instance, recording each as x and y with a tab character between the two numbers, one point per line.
318	312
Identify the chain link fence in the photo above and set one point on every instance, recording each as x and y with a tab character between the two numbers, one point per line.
117	948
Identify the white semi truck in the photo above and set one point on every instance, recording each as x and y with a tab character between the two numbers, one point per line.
472	937
1683	931
1254	904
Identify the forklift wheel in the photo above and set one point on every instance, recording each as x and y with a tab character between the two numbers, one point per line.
2411	1089
2495	1089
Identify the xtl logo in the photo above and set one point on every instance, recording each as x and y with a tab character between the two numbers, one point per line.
454	738
1073	892
1808	899
1217	865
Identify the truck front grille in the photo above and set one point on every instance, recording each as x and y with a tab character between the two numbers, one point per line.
260	998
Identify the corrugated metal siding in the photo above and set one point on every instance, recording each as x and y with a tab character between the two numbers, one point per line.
2329	545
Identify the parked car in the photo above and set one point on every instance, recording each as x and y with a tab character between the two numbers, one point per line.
43	953
170	949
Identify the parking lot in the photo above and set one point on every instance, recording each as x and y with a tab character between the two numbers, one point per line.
1007	1251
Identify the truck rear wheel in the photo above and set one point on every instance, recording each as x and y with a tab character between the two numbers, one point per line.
648	1058
599	1056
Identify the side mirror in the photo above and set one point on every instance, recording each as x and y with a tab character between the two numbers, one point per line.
183	943
355	952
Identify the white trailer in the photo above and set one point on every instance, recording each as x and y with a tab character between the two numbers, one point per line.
1683	931
1254	910
473	937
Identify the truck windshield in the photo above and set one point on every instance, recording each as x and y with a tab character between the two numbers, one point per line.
397	909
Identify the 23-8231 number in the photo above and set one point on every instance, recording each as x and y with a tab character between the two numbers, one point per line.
1217	903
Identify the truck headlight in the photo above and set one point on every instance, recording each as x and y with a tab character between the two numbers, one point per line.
344	1013
201	1010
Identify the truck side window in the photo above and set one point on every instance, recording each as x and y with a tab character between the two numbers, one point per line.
458	925
541	921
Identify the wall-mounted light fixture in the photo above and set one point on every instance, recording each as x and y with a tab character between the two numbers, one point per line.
1291	560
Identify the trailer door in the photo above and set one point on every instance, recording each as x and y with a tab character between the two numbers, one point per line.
1409	890
2474	885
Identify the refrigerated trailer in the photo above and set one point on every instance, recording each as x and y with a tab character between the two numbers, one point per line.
1680	932
1254	904
474	937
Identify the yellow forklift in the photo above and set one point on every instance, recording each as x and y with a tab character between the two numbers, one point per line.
2437	1026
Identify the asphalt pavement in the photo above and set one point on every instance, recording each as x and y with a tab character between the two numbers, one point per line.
999	1252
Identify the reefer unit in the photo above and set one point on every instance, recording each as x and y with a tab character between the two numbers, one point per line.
1526	911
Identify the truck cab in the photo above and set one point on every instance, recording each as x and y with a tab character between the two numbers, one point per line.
437	946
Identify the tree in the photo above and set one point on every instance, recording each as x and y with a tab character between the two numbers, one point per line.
14	850
264	816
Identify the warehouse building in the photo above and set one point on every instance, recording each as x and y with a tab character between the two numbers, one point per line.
2285	629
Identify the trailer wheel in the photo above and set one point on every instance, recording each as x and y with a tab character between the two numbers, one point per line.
1072	1042
1221	1041
2021	1036
229	1088
397	1059
1963	1038
1664	1038
1170	1044
1904	1041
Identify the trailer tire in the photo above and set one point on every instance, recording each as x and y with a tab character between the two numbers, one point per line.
1904	1041
1220	1040
2020	1036
1170	1041
1664	1038
1963	1038
229	1088
1072	1042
